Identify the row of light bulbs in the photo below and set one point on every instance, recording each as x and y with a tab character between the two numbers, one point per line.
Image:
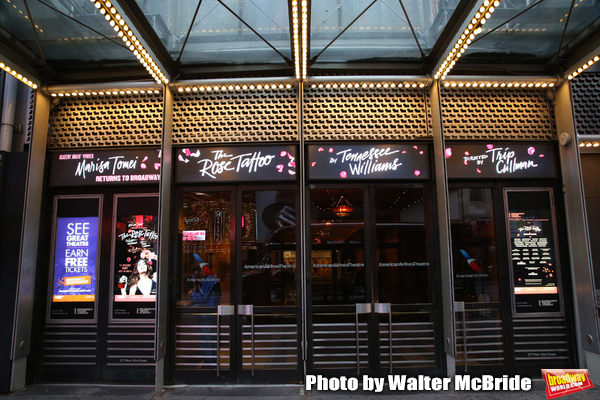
233	87
583	67
300	32
486	84
133	43
368	85
17	75
589	144
474	28
109	92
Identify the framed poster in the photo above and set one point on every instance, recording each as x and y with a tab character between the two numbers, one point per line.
73	284
135	258
533	251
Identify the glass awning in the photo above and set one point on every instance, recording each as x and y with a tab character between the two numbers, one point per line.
362	30
64	41
222	32
520	32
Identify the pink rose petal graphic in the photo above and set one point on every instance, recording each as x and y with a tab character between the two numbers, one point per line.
321	149
466	153
283	153
417	172
448	152
187	152
280	168
343	174
478	171
531	150
331	149
156	166
490	146
313	163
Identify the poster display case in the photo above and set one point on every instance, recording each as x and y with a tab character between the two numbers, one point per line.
75	251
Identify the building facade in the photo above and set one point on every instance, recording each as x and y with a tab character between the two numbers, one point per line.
257	231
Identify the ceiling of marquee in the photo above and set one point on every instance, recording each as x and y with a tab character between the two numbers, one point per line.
70	41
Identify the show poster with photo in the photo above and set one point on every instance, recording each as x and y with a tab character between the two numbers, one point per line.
136	262
533	252
74	291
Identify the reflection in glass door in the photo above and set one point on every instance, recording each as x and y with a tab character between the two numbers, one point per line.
237	307
371	279
404	298
268	312
479	330
202	327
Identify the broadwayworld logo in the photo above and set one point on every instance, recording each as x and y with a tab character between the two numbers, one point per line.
560	382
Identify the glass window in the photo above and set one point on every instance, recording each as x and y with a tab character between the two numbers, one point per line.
403	255
135	262
269	247
337	246
76	246
205	232
474	255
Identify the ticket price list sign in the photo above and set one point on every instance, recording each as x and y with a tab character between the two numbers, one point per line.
532	252
74	287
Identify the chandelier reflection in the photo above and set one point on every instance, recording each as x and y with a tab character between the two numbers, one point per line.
342	208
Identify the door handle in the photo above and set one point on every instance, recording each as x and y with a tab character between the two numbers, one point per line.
221	310
386	308
248	310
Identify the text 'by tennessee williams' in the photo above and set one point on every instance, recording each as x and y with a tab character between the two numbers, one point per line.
418	383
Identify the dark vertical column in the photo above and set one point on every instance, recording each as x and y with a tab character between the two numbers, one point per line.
29	242
164	232
443	223
13	168
577	232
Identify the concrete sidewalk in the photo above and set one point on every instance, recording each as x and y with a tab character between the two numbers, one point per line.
286	392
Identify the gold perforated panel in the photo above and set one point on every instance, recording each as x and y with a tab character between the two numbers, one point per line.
111	121
236	116
366	114
502	114
586	104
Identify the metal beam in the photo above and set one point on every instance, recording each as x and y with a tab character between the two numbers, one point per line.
21	343
582	277
138	23
454	28
443	230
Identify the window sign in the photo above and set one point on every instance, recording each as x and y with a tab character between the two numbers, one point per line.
75	261
74	273
105	167
226	164
135	258
500	160
349	161
533	253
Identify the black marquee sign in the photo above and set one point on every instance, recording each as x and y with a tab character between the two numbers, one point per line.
500	160
228	164
349	161
105	167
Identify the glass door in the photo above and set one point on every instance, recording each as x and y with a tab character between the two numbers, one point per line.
204	310
371	279
404	293
237	316
480	330
268	306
